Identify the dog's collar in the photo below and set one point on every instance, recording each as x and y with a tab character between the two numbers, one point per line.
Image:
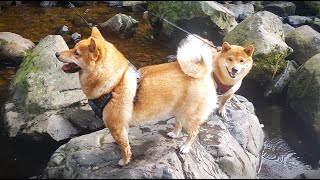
99	103
222	88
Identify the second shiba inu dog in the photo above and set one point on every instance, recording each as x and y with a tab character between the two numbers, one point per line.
182	89
231	65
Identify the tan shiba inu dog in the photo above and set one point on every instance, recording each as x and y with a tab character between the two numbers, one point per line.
231	65
183	89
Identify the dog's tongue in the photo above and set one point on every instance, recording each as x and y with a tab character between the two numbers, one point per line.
233	74
70	68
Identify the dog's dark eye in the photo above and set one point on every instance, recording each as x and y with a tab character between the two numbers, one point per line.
76	53
241	60
229	59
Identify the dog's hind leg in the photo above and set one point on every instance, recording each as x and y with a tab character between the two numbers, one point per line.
192	128
176	130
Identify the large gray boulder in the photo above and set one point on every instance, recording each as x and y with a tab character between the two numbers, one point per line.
46	101
297	21
305	42
314	6
264	31
122	25
205	18
287	29
48	4
13	47
137	6
224	149
281	8
241	11
304	95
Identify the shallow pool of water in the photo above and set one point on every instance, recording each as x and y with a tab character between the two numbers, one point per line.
288	151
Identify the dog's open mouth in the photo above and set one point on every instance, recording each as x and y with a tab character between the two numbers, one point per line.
70	68
232	74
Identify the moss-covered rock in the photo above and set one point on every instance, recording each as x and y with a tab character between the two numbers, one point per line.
258	5
45	100
314	6
264	31
174	11
281	8
304	95
41	78
182	13
305	42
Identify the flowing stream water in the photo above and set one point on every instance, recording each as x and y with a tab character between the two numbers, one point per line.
286	152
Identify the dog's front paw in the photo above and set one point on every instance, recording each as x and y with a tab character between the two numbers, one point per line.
172	135
122	162
222	112
184	149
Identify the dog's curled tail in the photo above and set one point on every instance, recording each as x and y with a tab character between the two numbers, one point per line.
195	57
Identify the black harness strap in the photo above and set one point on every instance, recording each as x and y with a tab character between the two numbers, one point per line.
99	103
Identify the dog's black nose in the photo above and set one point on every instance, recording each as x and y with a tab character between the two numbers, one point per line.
234	70
57	54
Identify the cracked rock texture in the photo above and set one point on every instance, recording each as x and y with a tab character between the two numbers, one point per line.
225	148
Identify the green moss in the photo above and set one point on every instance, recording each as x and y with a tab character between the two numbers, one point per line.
314	6
20	83
296	38
174	11
303	91
257	5
267	67
27	66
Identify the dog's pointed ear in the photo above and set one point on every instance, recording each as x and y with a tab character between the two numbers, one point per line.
93	49
92	45
225	47
249	50
96	33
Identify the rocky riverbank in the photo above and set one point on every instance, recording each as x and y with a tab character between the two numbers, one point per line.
42	105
